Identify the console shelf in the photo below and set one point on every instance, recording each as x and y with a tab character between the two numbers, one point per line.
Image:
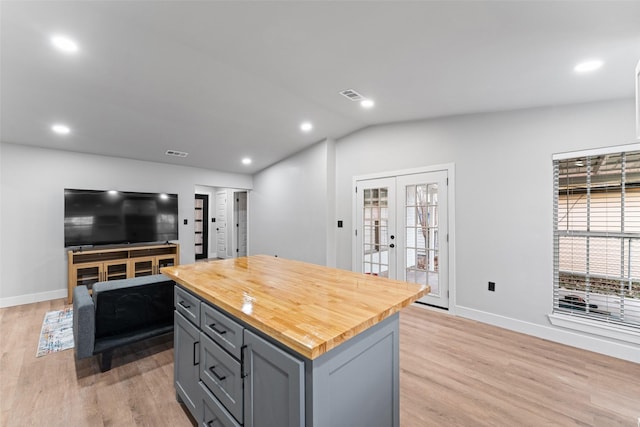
87	267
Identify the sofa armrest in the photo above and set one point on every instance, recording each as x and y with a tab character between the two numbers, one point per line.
84	322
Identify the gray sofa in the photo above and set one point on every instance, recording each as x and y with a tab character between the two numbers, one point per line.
120	312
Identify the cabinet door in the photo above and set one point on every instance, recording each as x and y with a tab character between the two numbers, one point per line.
87	274
115	270
186	363
274	385
165	261
143	266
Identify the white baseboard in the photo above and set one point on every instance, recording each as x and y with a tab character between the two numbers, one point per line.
31	298
559	335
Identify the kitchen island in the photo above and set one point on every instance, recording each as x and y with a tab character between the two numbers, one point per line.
265	341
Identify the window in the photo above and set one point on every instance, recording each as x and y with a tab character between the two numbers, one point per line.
597	237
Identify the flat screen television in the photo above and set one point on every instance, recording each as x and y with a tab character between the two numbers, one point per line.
93	217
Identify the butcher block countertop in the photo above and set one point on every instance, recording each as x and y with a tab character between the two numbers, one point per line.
309	308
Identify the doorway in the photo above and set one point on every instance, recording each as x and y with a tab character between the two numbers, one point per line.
201	226
402	230
240	218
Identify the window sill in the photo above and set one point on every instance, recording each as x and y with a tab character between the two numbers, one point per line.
617	332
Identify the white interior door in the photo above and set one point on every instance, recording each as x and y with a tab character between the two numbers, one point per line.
221	223
402	231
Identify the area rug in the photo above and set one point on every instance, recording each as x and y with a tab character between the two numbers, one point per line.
57	332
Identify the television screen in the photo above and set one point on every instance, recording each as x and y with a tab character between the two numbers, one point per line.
94	217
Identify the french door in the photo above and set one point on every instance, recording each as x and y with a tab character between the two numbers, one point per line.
402	231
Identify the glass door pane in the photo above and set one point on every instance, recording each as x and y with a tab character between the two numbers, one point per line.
143	267
421	235
116	270
88	275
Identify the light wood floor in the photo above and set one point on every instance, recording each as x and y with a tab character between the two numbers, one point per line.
454	372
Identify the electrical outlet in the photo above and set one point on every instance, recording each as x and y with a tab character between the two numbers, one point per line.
492	286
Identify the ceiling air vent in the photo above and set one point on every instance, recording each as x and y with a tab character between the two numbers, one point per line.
352	95
176	153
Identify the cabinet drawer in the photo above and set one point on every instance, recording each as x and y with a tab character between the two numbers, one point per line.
188	305
221	374
214	414
221	329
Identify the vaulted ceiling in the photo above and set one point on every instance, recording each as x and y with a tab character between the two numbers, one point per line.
227	80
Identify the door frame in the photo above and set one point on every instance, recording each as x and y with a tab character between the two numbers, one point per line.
451	211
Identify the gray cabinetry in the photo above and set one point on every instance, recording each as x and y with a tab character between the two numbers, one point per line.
214	414
186	360
188	305
274	385
221	374
221	329
229	374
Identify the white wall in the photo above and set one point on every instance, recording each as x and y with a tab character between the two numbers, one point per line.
1	235
32	182
288	207
332	226
503	197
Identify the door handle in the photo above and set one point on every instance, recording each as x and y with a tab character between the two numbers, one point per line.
212	369
220	331
196	353
392	245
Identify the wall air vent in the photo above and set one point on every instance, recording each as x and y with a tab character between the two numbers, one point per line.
176	153
352	95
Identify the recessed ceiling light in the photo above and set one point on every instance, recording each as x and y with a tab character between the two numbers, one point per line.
306	126
164	196
61	129
586	66
64	44
246	161
367	103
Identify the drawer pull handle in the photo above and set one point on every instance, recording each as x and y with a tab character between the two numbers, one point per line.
196	353
213	371
213	326
184	305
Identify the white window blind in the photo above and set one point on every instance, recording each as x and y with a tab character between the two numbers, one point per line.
597	237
